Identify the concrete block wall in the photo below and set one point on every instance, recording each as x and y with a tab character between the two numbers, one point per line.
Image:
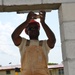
30	2
26	5
21	2
0	2
14	5
58	1
67	31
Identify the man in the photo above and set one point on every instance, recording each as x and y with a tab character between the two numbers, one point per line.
34	52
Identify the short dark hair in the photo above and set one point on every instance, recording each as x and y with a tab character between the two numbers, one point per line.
35	23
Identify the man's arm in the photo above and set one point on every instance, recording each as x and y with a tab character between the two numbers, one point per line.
51	37
16	34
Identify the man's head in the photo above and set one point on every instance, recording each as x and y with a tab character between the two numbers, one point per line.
33	29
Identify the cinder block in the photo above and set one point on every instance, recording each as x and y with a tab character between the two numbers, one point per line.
67	30
57	1
21	2
1	7
68	50
66	71
67	12
29	2
64	56
0	2
69	68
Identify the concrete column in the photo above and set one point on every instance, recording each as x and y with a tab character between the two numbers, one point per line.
67	32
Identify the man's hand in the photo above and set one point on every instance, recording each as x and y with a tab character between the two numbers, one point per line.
42	16
31	15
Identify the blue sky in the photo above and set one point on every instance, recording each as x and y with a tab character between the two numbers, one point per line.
10	53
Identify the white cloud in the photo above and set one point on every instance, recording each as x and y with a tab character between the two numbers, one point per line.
8	51
5	39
